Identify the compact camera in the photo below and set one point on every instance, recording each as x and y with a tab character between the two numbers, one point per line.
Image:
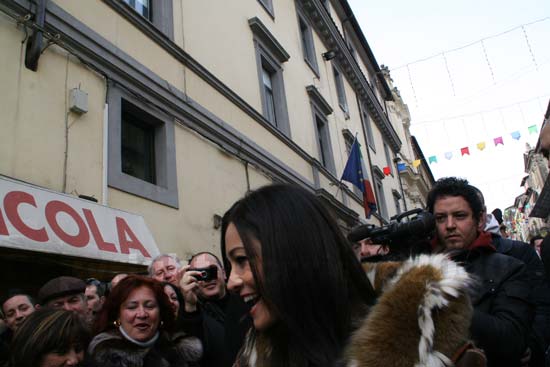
206	274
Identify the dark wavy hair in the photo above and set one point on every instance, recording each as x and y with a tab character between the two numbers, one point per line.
46	331
111	309
310	279
454	186
179	295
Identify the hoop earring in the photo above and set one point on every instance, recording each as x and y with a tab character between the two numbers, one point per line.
116	323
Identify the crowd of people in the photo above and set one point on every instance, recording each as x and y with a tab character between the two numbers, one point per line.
291	290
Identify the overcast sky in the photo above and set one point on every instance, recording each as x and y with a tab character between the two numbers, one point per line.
479	92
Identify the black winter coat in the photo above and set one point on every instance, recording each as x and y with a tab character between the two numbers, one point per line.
221	326
539	336
502	312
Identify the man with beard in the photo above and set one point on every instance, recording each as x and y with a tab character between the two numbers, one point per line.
502	313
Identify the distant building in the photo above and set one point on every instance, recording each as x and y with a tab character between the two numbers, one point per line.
536	200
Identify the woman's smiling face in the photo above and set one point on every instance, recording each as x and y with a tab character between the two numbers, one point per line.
241	279
140	314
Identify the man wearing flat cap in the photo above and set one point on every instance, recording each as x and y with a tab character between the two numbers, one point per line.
65	293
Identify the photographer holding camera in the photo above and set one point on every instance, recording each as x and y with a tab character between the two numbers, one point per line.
211	313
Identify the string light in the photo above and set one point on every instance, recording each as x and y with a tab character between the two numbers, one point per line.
449	74
470	44
481	112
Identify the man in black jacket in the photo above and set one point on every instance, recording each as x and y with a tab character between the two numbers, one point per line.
16	305
211	313
502	312
539	290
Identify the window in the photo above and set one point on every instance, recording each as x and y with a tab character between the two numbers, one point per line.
396	198
142	7
269	57
379	188
321	109
307	44
381	198
349	43
268	101
142	155
268	6
323	141
368	127
389	160
137	145
157	12
272	93
339	81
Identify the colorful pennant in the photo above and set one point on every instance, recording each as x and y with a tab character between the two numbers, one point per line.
498	141
387	171
481	145
449	155
401	167
533	129
465	150
516	135
416	163
432	159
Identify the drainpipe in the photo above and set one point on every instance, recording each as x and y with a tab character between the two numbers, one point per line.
34	43
105	158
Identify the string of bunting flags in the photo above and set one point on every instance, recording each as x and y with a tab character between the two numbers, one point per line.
516	135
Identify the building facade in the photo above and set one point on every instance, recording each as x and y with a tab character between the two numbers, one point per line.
172	110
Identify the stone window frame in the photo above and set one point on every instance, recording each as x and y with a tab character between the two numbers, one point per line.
340	89
389	159
165	189
397	199
307	43
379	189
368	127
320	110
162	12
270	55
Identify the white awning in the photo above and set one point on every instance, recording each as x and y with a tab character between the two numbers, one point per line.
36	219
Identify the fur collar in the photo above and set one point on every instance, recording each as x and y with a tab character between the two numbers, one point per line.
422	316
171	350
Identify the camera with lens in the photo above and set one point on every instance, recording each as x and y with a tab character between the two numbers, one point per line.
206	274
406	234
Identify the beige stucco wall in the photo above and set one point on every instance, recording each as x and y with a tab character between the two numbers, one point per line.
34	113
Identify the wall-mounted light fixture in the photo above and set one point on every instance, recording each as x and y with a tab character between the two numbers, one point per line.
329	55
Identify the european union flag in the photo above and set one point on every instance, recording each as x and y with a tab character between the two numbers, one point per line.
353	172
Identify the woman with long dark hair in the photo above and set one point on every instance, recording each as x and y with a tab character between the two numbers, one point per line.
310	300
136	329
297	272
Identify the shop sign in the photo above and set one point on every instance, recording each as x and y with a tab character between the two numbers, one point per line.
37	219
